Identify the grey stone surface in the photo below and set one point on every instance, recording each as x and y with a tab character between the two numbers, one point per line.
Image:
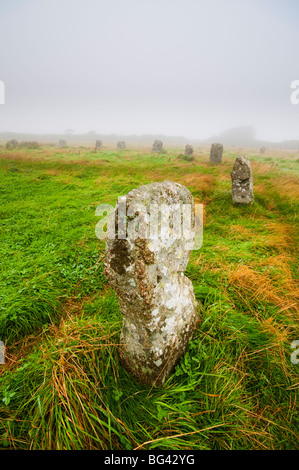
188	150
157	146
121	145
155	297
216	153
99	144
242	181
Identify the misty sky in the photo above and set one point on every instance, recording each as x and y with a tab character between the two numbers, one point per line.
176	67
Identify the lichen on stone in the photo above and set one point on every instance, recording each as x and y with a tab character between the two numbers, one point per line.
242	182
155	297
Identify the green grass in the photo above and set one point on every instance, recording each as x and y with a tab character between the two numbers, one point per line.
62	386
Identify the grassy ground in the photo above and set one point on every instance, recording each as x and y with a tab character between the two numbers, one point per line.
62	386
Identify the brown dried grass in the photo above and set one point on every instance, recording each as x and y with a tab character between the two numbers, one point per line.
260	287
285	186
281	236
241	232
204	183
289	186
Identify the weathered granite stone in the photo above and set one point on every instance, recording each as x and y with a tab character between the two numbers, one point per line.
121	145
147	274
242	181
157	146
216	154
188	150
98	144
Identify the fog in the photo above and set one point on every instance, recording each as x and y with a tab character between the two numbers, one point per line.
191	68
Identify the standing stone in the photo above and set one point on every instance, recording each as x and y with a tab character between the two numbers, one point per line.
121	145
98	144
147	273
263	150
12	144
216	153
62	143
188	150
157	146
242	182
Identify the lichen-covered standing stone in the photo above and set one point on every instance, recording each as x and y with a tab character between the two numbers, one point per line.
242	181
155	297
157	146
216	153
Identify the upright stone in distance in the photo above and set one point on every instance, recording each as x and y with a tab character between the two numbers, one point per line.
242	181
62	143
147	273
189	150
98	144
11	144
121	145
157	146
216	153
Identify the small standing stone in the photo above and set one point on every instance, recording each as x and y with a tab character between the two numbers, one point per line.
155	297
188	150
216	153
121	145
62	143
242	181
98	144
157	146
263	150
12	144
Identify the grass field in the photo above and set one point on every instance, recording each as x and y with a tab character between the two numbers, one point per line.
62	386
